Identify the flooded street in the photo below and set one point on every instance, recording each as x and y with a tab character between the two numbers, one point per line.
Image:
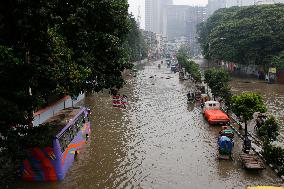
273	95
158	141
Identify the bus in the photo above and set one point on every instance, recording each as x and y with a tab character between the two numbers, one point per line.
68	131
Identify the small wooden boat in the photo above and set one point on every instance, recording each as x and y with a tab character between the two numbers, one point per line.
252	162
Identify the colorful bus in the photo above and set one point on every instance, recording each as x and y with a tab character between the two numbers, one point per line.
70	131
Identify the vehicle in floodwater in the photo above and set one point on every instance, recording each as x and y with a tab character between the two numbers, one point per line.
225	147
225	131
53	156
213	114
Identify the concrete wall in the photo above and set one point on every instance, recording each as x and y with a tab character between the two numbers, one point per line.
44	114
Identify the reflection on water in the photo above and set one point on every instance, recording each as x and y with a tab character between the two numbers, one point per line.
155	143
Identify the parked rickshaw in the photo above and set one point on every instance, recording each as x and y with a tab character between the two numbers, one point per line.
225	147
226	131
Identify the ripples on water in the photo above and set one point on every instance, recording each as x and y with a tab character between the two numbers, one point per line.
155	143
273	95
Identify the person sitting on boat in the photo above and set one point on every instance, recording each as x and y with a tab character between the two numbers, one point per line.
190	96
246	145
124	99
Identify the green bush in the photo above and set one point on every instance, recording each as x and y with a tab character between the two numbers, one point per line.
190	66
269	130
275	156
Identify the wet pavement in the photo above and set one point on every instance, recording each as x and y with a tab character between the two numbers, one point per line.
158	141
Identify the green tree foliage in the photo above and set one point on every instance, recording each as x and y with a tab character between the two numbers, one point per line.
184	51
52	48
269	130
278	60
246	104
190	66
275	156
226	95
245	35
136	44
218	81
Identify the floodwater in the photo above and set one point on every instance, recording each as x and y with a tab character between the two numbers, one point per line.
158	141
273	95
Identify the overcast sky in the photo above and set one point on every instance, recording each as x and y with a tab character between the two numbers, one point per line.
134	5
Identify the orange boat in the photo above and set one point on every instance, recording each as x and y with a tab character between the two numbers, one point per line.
213	114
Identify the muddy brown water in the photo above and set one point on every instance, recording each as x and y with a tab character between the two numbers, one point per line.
273	96
158	141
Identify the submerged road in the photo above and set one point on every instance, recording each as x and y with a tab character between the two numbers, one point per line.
158	141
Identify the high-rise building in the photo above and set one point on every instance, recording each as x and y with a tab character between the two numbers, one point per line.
154	14
175	21
214	5
181	22
262	2
196	15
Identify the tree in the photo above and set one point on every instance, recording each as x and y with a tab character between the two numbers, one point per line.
269	130
190	66
278	61
184	51
217	80
53	48
244	35
135	44
246	104
226	95
275	156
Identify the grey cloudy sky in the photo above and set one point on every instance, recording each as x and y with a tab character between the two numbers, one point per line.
134	5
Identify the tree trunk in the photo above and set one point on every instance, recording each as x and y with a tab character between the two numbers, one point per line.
246	129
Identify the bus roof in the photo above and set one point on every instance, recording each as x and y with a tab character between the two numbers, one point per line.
61	119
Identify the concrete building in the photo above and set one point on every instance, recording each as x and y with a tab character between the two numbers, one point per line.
155	44
264	2
214	5
154	14
196	15
175	21
182	21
